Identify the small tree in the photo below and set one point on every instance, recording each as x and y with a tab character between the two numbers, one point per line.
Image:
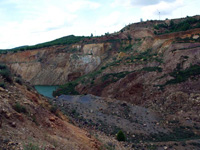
121	136
106	34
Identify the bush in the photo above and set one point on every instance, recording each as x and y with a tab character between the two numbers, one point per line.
5	73
68	89
198	25
18	80
156	27
2	66
19	108
31	146
151	69
121	136
2	84
54	109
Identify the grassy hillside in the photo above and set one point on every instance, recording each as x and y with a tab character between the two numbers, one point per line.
71	39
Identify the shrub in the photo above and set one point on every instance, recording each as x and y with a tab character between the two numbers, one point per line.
31	146
156	27
198	25
5	73
121	136
18	80
68	89
2	66
151	69
2	84
53	109
19	108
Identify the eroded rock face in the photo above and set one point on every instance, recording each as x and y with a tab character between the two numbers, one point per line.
57	65
49	66
96	49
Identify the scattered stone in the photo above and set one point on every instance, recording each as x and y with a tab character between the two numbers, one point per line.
19	117
195	37
165	147
7	115
13	124
88	135
124	105
3	111
52	118
1	89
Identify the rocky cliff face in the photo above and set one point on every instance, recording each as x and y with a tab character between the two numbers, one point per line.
55	65
136	55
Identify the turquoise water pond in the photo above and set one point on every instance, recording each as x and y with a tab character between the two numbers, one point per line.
46	90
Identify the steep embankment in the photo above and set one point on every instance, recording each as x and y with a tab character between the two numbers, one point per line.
28	121
51	66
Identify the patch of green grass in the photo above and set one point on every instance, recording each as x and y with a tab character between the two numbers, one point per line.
5	73
19	81
34	119
151	69
145	56
75	56
2	84
186	24
178	134
67	89
152	147
114	76
107	147
32	146
195	144
3	67
71	39
125	49
20	108
183	75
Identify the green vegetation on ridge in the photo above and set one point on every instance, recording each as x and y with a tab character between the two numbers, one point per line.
183	75
180	76
71	39
186	24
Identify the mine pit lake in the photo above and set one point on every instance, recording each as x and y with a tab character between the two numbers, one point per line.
46	90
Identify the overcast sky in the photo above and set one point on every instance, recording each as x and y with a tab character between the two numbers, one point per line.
28	22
